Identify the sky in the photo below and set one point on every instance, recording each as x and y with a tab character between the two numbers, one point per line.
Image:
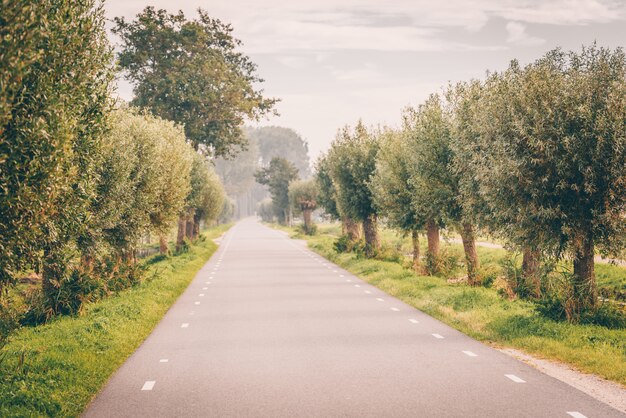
332	62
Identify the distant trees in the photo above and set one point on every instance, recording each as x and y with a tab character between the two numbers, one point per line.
277	176
277	141
303	195
190	71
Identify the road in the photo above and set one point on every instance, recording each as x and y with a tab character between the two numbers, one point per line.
270	329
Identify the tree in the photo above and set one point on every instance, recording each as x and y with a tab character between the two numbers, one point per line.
54	100
277	141
277	177
556	157
303	195
204	201
437	182
326	197
352	162
190	71
392	189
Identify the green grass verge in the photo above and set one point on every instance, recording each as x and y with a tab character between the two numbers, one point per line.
57	368
483	314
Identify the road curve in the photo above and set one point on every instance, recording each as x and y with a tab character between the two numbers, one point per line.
270	329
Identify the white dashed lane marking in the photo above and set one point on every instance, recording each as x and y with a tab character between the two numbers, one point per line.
196	303
413	321
184	325
469	353
204	288
357	285
163	360
438	336
380	299
575	414
201	294
368	292
395	309
515	378
148	385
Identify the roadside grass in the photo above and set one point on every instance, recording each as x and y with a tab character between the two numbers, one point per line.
483	314
56	369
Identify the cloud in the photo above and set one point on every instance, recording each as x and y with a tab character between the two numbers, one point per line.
517	35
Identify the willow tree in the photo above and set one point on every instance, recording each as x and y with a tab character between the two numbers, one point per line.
303	195
54	98
556	157
392	189
277	176
327	199
352	162
437	183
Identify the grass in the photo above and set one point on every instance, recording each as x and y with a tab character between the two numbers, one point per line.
483	314
57	368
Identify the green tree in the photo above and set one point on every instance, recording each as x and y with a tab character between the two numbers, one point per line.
303	195
54	98
436	182
392	189
554	166
204	201
352	162
277	177
190	71
326	190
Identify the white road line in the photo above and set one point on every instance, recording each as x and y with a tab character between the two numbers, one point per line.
196	303
515	378
341	275
148	385
204	288
469	353
575	414
349	281
395	309
334	271
184	325
368	292
438	336
357	285
380	299
201	294
163	360
413	321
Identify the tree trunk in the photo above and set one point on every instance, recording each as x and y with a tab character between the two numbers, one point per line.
196	229
415	240
352	229
584	278
308	223
530	270
163	248
432	233
180	238
189	228
370	230
468	237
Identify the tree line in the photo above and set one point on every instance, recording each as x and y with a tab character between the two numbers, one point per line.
534	155
84	177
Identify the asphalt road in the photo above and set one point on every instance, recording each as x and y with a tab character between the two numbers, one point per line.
270	329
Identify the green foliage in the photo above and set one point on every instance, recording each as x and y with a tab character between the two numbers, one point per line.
277	176
303	195
206	197
352	161
190	71
54	97
327	194
392	190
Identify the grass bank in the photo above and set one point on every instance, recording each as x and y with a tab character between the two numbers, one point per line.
57	368
485	315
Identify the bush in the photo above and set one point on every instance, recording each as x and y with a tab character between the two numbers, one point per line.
487	274
9	318
343	244
311	230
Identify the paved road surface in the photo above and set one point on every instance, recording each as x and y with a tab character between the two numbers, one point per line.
270	329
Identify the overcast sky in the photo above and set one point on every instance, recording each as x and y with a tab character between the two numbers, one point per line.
332	62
